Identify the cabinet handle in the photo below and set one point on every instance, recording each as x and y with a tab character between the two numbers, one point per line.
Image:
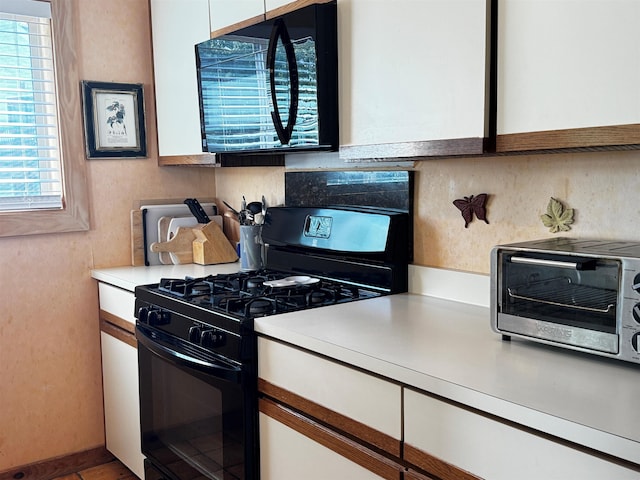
372	461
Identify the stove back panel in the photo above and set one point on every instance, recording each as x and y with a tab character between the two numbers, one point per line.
392	189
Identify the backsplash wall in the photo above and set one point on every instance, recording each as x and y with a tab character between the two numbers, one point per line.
600	186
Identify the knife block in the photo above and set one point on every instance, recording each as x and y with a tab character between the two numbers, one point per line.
204	244
211	246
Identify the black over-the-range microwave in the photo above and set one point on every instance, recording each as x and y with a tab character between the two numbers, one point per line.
272	87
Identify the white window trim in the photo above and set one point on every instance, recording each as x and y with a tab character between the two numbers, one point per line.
74	216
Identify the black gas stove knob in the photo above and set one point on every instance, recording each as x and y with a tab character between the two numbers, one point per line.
158	317
195	334
212	338
143	314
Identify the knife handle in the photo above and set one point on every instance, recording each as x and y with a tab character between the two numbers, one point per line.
197	210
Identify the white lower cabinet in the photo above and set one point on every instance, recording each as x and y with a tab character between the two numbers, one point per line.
321	420
288	454
492	449
120	376
121	402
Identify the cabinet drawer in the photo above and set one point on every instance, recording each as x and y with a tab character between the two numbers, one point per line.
361	397
294	446
491	449
118	302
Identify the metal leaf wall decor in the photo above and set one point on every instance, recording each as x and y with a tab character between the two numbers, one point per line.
557	217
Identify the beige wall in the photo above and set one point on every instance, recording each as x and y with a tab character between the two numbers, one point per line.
602	188
50	381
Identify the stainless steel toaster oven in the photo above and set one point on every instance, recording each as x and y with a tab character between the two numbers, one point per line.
577	294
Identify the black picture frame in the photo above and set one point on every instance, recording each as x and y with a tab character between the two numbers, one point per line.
114	120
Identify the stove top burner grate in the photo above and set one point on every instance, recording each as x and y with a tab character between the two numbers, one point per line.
250	294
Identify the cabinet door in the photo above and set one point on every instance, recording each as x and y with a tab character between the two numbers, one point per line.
177	25
568	74
224	13
121	402
286	454
412	77
491	449
356	395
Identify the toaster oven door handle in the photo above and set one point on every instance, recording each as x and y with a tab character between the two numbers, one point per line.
580	264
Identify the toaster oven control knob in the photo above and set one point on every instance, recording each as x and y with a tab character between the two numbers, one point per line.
636	312
212	338
635	342
195	334
636	283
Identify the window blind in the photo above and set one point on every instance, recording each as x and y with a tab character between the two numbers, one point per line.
30	164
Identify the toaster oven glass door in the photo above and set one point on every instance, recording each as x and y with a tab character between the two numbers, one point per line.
579	295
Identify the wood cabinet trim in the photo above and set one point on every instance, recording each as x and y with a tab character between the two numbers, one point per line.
434	465
355	452
290	7
118	328
117	321
413	475
430	148
237	26
204	160
336	420
596	138
224	160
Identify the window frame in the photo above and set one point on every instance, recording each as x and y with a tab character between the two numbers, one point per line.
74	214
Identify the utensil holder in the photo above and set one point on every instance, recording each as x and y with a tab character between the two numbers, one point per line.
250	247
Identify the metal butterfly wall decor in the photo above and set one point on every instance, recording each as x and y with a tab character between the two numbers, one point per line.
472	205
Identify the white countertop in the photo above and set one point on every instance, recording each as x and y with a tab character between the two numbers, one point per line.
447	348
128	278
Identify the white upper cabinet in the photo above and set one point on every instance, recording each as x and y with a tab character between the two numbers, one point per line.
177	25
229	12
413	76
565	70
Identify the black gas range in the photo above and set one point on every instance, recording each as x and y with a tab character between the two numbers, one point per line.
203	327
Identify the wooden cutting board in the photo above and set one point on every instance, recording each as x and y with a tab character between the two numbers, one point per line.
137	239
152	214
180	246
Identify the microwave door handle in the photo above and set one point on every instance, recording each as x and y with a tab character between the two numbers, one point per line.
280	31
547	262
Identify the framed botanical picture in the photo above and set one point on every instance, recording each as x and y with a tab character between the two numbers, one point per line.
114	120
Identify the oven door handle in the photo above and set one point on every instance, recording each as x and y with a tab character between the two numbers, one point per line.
164	347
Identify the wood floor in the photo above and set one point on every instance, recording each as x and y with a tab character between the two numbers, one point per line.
109	471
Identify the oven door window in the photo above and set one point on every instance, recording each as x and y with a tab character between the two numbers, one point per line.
193	424
572	291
